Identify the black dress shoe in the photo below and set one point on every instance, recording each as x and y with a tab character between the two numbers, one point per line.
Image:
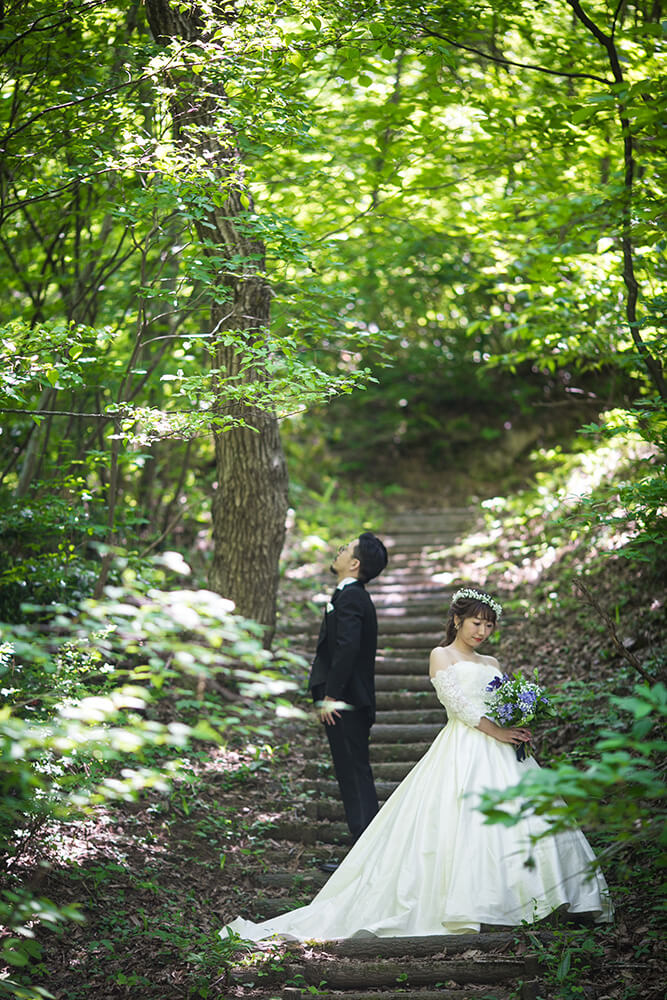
328	866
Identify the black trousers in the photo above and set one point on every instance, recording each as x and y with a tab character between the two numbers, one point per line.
348	741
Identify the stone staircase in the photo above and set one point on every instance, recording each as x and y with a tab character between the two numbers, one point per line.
411	600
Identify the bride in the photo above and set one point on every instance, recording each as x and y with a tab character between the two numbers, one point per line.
428	864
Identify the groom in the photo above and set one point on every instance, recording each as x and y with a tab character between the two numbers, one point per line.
342	678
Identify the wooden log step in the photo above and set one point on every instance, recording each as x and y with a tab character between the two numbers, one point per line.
399	599
265	907
388	753
318	768
296	881
424	554
383	757
407	733
407	621
307	832
411	716
288	857
420	640
393	770
393	663
420	556
417	700
424	607
325	810
331	809
434	944
409	579
412	544
470	993
416	519
350	975
407	624
429	601
422	585
437	535
325	788
416	973
403	682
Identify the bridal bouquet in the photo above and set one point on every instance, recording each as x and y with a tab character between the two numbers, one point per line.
516	702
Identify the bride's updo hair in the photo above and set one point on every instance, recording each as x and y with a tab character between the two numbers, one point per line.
465	606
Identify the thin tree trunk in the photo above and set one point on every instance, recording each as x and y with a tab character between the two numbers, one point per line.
652	362
250	503
33	449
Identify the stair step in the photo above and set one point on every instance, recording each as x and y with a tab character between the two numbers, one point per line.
425	524
407	733
381	972
308	832
289	857
406	624
403	682
416	541
390	752
384	769
393	663
424	577
434	597
297	881
403	994
326	810
403	640
411	716
418	555
330	807
423	585
326	788
449	944
418	701
393	770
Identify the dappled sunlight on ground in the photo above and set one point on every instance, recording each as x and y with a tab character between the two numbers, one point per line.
102	837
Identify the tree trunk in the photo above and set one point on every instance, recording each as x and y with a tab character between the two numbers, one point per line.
250	503
652	362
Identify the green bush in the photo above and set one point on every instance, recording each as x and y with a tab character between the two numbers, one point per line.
101	702
620	792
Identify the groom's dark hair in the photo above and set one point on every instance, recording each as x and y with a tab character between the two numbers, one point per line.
372	556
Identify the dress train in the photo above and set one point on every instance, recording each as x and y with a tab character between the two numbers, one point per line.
428	864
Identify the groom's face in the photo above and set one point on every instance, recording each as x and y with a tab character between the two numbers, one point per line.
345	562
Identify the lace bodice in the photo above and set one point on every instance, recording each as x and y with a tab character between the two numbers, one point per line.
461	688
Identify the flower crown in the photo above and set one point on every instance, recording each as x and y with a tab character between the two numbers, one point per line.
477	595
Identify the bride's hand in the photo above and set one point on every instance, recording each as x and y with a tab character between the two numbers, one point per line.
516	735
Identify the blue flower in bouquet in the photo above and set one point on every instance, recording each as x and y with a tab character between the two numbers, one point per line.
496	682
516	702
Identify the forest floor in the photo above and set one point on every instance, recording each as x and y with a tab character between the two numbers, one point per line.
158	878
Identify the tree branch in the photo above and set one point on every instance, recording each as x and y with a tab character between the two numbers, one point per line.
49	27
511	62
592	602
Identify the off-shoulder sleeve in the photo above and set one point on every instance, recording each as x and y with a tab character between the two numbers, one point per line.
453	698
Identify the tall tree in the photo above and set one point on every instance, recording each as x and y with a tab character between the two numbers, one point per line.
250	502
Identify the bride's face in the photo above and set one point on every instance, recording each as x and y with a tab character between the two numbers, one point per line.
473	631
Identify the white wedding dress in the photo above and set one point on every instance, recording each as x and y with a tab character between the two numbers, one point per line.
428	864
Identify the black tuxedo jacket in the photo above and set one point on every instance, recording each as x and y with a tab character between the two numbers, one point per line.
344	664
